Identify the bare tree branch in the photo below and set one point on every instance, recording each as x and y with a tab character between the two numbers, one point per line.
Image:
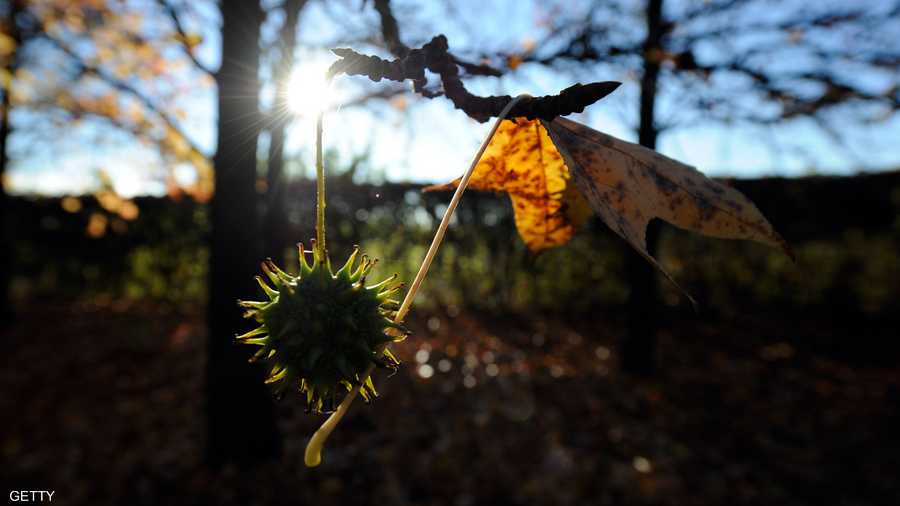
434	56
391	35
124	87
179	28
389	30
793	89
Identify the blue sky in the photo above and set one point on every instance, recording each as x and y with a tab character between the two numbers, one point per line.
427	140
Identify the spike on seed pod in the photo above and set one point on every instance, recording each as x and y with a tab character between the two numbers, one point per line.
319	330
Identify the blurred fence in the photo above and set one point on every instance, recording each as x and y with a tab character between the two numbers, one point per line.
846	233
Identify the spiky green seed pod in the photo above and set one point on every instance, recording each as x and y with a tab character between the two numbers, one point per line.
320	330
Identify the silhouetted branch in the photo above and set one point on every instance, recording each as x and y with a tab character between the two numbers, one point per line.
390	32
434	57
179	28
827	77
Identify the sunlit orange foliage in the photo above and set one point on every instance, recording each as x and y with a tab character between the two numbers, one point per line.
133	69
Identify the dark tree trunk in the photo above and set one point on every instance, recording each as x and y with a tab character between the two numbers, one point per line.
275	223
241	422
6	253
6	258
639	342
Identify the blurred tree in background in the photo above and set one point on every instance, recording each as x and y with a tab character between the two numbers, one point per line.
104	73
241	419
10	40
92	68
279	119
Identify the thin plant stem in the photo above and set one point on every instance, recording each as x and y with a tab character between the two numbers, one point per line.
320	191
313	455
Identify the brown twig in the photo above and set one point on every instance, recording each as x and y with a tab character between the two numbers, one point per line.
87	68
179	29
390	32
435	57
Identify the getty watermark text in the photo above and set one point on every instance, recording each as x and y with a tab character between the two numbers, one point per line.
31	495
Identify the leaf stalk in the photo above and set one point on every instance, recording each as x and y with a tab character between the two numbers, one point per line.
313	455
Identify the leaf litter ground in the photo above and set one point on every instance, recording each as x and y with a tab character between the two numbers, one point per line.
106	407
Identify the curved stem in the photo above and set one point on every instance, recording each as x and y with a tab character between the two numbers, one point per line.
313	455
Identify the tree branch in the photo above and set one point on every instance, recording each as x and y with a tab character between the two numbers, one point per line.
391	35
389	30
122	86
179	28
434	56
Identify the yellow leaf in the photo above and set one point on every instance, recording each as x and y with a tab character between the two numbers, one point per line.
5	79
399	103
522	161
7	45
627	185
529	45
71	204
191	40
128	210
96	226
513	61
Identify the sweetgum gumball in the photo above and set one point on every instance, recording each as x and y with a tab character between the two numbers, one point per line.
320	331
